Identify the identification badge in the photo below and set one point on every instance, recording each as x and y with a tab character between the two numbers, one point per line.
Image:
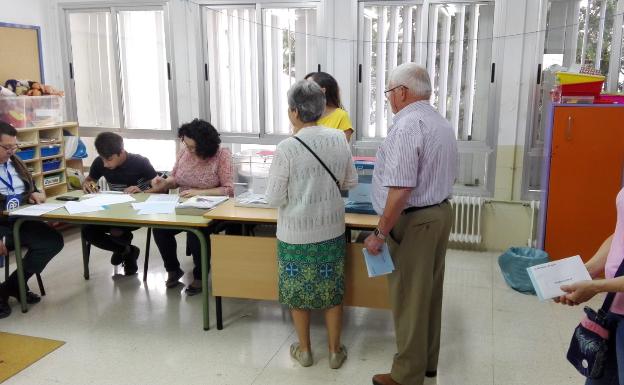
12	202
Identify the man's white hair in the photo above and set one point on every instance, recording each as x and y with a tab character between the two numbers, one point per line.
412	76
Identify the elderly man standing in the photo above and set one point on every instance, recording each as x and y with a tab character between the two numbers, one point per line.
413	179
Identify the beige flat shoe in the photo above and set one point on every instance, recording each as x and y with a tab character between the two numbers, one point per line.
304	358
338	358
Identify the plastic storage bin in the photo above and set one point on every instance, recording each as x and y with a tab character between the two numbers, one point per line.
609	99
579	89
26	154
32	111
50	165
50	151
577	78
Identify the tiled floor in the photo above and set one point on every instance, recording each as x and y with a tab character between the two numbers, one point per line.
120	331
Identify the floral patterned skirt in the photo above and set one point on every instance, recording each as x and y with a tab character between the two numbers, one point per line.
311	276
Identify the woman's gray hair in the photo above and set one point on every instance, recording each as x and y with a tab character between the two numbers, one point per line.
412	76
307	98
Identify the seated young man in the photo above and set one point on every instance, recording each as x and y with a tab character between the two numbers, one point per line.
42	241
130	173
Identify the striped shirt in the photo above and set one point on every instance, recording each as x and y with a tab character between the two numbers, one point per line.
420	151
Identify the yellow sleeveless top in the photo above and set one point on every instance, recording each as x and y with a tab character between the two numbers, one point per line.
339	119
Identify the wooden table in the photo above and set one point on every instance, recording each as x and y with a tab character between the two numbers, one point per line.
119	215
246	266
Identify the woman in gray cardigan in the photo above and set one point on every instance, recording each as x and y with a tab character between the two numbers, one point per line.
310	225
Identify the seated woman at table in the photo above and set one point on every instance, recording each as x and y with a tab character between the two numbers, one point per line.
202	167
311	243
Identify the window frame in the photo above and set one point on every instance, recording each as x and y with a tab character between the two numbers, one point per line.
262	137
113	8
487	147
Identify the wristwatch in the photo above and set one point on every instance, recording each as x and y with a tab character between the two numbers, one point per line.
379	234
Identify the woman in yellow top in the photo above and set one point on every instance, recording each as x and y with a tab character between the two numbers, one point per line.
334	116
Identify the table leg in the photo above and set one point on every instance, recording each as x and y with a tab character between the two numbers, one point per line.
204	268
86	253
219	313
18	262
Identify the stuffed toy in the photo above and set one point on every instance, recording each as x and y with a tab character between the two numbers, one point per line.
19	87
30	88
6	92
49	90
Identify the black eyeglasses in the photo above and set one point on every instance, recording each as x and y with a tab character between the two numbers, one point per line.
9	148
393	88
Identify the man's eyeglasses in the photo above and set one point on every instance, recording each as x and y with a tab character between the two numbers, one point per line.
393	88
9	148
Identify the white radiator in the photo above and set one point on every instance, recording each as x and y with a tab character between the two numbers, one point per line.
466	226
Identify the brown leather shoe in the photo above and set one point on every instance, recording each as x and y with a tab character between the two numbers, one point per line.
384	379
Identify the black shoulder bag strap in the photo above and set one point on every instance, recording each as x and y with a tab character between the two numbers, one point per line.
320	161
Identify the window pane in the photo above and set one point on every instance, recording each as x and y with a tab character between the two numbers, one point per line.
144	70
389	38
95	79
289	54
161	153
460	57
231	35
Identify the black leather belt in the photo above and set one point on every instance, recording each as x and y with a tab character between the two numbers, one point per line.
414	208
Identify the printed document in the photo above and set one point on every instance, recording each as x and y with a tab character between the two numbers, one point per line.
108	199
547	278
155	207
380	264
37	210
82	207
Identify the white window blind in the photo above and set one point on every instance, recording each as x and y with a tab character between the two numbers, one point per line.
95	78
118	60
289	54
246	85
144	70
459	64
390	35
232	69
454	41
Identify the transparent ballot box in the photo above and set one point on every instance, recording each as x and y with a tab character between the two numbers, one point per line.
365	168
32	111
251	173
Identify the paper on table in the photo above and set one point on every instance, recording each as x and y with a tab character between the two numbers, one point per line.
37	210
547	278
82	207
145	208
163	198
108	199
380	264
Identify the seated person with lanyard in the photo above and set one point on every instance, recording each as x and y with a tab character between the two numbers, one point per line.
130	173
43	242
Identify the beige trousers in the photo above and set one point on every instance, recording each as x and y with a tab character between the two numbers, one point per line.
418	247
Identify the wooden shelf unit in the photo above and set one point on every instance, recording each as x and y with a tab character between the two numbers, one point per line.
34	135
